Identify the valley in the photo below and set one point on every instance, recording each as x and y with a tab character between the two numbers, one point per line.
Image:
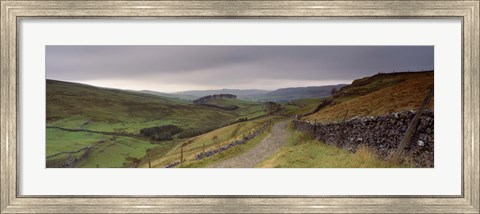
94	127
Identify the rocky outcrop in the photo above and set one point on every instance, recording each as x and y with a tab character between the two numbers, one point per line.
381	134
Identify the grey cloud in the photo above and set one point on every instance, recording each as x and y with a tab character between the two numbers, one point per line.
227	66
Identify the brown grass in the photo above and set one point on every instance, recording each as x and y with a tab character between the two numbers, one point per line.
400	96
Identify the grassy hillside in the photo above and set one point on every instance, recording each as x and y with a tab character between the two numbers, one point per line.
289	94
72	105
174	95
245	108
302	151
377	95
120	115
301	106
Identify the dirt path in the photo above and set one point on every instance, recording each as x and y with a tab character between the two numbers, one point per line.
262	150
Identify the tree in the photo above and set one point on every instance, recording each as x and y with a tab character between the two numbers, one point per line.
272	107
160	132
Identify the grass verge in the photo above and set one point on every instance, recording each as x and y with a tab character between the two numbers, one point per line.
302	151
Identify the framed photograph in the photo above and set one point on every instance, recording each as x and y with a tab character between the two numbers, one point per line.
239	106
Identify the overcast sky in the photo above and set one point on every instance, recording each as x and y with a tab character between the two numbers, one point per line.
180	68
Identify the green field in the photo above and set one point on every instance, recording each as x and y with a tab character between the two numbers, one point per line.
113	153
61	141
107	150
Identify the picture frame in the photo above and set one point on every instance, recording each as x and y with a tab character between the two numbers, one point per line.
12	11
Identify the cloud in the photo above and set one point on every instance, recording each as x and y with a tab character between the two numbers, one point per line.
196	67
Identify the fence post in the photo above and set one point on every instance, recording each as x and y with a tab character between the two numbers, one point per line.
149	163
203	147
395	158
181	154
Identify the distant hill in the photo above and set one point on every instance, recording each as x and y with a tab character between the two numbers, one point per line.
240	93
376	95
279	95
173	95
288	94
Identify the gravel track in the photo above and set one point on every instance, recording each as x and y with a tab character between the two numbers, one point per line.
262	150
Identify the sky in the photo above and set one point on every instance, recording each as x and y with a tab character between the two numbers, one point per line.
181	68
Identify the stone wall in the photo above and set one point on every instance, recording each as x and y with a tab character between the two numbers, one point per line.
381	134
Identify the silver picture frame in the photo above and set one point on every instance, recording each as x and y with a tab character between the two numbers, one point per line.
12	11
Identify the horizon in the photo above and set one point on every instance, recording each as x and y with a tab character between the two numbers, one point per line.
173	69
218	89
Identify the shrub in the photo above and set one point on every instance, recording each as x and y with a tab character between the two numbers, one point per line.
160	132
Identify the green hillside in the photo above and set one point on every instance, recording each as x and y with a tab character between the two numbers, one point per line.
289	94
109	121
242	107
301	106
72	105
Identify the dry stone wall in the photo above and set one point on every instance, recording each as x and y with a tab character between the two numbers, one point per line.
381	134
